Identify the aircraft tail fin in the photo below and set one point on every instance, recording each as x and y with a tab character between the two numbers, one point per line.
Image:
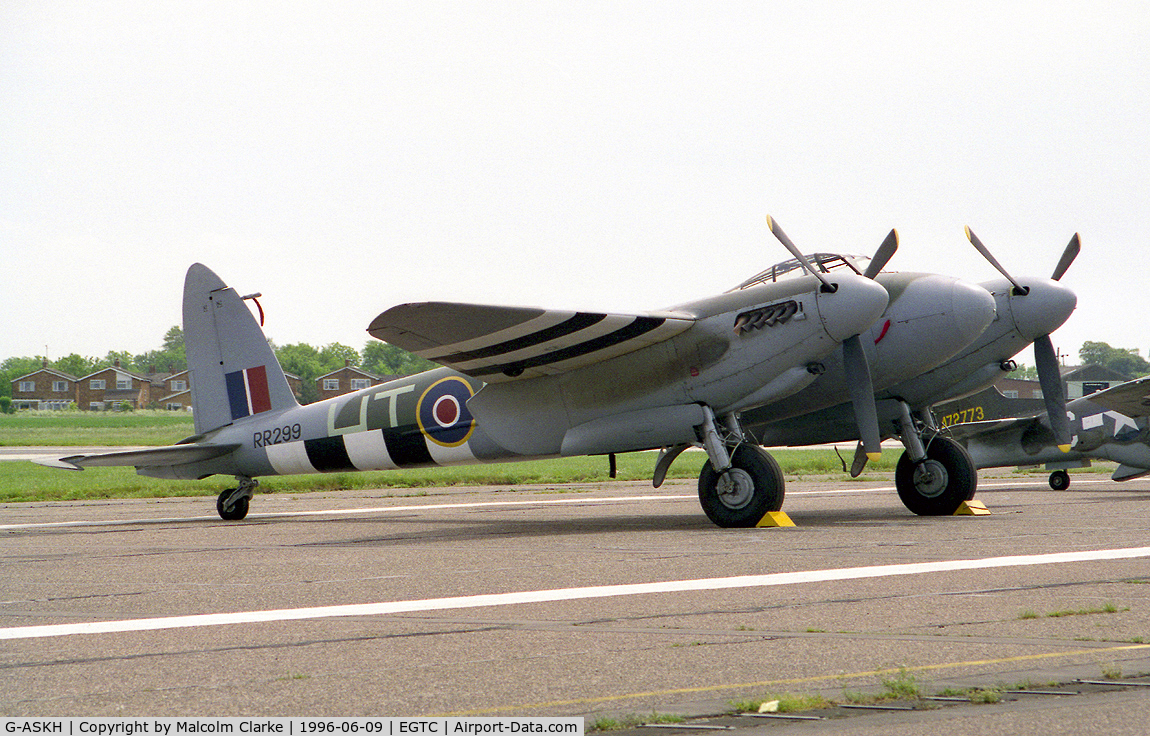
234	373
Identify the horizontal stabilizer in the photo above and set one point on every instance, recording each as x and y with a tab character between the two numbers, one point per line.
1127	472
149	458
970	430
498	344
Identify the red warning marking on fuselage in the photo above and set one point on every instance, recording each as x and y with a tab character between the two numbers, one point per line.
882	334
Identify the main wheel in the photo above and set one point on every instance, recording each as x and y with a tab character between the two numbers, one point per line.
1060	480
742	496
238	510
938	485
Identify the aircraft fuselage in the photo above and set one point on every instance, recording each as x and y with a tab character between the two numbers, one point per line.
649	398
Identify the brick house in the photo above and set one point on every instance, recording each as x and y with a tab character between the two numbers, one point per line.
113	387
172	391
1019	388
295	383
345	380
46	388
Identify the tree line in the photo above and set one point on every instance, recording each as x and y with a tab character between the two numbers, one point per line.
1126	361
309	362
306	361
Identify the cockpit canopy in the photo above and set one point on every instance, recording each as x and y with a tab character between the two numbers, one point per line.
825	262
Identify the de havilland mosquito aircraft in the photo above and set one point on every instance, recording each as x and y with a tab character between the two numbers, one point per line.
935	474
1112	424
520	383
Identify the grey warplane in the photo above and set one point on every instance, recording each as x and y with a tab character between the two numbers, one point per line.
1112	424
521	383
935	474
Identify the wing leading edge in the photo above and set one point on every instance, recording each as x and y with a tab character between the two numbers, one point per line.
497	344
1131	399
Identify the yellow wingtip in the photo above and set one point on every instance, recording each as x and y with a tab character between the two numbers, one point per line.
1064	448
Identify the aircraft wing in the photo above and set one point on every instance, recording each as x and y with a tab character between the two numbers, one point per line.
150	457
1130	399
497	344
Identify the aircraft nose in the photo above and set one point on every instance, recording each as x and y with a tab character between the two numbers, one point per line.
972	311
853	308
1044	309
931	319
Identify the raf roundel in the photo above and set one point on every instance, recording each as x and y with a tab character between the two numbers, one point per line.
442	412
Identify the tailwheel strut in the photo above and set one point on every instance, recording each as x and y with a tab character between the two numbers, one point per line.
232	504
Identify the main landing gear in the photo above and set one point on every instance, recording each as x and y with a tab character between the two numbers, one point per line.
932	479
232	504
741	482
1059	480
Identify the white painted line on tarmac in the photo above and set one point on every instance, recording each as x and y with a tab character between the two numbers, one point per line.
563	594
474	504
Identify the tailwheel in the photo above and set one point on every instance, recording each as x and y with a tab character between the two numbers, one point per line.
742	495
939	484
1060	480
232	504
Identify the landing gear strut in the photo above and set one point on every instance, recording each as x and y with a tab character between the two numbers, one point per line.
741	482
935	477
743	494
232	504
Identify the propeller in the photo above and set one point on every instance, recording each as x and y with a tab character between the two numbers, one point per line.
1067	258
854	358
862	396
1050	379
1045	359
862	393
882	255
1019	289
828	287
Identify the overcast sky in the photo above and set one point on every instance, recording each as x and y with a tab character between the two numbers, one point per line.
342	158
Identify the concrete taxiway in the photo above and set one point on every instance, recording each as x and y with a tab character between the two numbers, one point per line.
593	600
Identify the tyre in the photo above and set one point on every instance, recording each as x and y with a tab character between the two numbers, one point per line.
238	510
1060	480
938	485
742	496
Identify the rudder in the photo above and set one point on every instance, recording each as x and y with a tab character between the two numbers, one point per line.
234	373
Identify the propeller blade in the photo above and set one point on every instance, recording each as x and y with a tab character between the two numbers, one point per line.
882	255
1018	288
778	233
1051	380
1067	258
862	396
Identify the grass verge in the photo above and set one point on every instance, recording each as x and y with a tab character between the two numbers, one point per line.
73	428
